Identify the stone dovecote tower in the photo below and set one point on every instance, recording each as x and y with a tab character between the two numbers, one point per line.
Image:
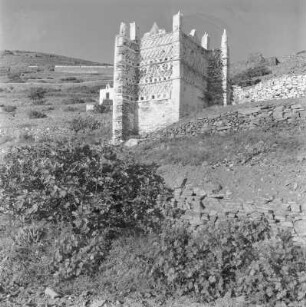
164	76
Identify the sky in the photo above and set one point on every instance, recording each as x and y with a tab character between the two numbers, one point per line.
86	28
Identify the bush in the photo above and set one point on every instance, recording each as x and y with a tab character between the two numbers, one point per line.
246	78
207	264
277	273
84	123
15	77
36	114
9	108
37	95
26	137
25	257
100	108
94	194
70	109
71	79
73	100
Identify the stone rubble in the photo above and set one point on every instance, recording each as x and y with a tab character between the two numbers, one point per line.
284	87
200	206
243	119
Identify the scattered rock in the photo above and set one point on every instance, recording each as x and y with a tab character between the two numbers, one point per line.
98	303
51	293
300	227
131	142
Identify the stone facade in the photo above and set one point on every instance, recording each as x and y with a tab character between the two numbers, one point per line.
163	77
288	86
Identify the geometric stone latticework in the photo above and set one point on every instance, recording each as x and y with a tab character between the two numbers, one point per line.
164	76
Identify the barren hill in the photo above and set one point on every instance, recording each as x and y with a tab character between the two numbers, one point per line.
15	59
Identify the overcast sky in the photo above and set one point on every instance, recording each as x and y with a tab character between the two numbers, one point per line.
86	28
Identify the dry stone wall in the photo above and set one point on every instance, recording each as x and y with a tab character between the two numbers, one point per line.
243	119
84	69
288	86
201	205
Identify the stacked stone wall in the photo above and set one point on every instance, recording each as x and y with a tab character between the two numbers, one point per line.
243	119
84	69
201	205
288	86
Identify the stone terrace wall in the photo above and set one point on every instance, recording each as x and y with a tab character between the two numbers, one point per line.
288	86
243	119
201	205
84	69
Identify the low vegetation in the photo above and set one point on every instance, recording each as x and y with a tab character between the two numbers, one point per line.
87	123
33	114
250	76
70	109
235	148
78	211
73	100
100	108
37	95
9	108
71	79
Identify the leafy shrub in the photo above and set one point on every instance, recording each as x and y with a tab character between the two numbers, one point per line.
70	109
9	108
37	95
207	263
100	108
127	266
36	114
96	193
71	79
277	274
73	100
246	78
48	109
15	77
27	137
84	123
24	252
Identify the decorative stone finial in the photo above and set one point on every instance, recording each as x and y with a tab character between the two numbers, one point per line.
177	21
123	29
155	29
193	33
224	39
133	31
205	42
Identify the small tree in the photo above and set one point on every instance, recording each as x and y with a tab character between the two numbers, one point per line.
37	95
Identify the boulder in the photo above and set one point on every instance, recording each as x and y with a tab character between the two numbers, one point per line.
131	142
51	293
300	227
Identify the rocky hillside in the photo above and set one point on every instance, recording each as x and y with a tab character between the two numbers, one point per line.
257	68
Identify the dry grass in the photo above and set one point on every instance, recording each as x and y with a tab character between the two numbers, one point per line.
211	149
